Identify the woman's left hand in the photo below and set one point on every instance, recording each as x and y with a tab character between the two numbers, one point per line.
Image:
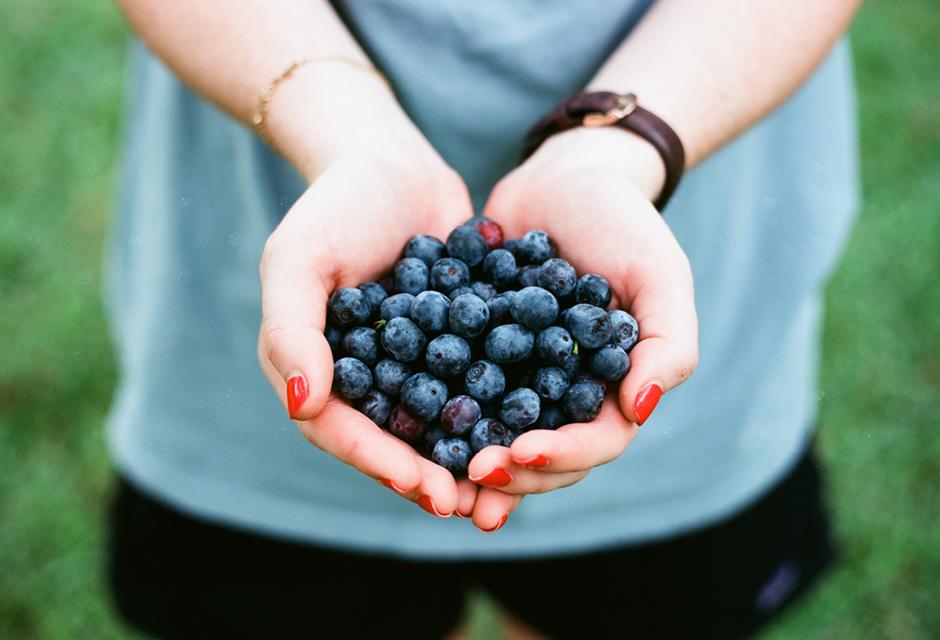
591	190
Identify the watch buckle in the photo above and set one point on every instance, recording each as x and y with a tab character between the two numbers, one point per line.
626	104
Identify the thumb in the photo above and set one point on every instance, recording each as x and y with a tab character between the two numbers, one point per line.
292	348
667	352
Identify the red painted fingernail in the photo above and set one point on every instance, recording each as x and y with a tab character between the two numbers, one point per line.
646	401
391	485
535	461
296	394
425	503
498	477
498	526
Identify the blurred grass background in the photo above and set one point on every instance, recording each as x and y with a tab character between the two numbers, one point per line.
61	65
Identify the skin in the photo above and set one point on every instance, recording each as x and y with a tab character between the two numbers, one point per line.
709	69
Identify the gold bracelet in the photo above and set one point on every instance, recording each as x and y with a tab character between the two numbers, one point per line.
264	99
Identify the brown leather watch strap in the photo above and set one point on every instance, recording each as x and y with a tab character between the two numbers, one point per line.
604	108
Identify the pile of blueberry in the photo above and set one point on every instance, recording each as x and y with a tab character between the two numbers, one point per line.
480	341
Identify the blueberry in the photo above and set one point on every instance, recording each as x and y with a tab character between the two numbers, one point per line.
424	396
626	329
519	408
536	247
447	356
550	383
468	315
582	402
509	343
528	276
610	363
499	306
396	306
499	267
431	437
467	245
411	276
534	307
349	307
491	231
512	246
589	325
362	343
485	380
551	416
351	378
389	375
593	289
558	277
453	454
376	405
459	415
554	345
430	310
490	432
334	336
428	249
449	273
461	291
483	289
403	340
572	366
375	293
405	426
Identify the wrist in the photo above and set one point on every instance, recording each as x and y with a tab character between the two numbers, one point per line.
608	149
326	112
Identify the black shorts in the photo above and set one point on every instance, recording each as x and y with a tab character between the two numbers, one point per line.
177	577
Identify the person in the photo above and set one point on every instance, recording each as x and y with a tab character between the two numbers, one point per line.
380	120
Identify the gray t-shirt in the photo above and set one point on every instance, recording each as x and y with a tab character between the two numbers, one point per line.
762	221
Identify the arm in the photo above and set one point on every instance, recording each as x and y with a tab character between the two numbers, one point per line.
710	70
229	52
368	166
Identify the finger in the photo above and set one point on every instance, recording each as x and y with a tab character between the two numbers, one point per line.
437	492
495	468
351	437
466	497
293	301
493	508
577	446
667	352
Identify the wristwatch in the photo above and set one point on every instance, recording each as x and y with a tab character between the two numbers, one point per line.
608	109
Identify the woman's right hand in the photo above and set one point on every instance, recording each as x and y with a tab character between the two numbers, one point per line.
346	229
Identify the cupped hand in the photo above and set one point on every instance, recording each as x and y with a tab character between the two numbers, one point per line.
591	190
346	229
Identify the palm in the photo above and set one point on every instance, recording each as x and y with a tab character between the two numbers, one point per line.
348	228
601	224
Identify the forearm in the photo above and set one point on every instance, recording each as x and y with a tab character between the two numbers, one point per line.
710	70
229	53
713	69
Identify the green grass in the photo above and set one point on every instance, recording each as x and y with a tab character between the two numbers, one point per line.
60	93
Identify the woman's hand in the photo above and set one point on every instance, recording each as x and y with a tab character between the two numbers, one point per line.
346	229
591	189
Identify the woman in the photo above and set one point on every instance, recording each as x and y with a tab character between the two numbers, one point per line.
228	523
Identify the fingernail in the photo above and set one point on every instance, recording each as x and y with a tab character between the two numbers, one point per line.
498	477
646	401
460	515
427	504
535	461
498	526
296	394
391	485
